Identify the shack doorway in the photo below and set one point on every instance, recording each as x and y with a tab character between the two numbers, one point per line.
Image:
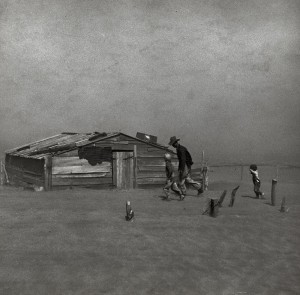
123	169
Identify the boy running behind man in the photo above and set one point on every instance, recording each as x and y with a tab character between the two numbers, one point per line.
256	181
170	183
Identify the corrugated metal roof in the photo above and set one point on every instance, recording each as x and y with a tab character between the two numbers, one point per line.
65	142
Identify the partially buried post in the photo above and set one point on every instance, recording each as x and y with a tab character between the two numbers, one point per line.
273	192
204	178
212	203
233	193
1	175
283	206
222	197
129	212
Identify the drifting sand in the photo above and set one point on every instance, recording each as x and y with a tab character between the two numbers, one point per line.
78	242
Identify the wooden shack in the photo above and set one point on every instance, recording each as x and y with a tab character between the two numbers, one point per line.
95	160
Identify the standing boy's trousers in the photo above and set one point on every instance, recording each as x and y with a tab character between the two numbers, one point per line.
257	188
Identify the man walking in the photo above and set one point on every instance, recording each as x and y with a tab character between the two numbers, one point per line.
185	166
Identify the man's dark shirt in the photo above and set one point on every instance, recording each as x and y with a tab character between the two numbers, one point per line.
184	157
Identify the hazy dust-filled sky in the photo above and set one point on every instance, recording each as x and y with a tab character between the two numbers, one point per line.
222	75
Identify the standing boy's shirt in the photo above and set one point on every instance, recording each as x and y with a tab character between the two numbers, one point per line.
255	177
170	170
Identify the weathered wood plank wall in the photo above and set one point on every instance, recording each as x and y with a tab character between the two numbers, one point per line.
68	171
149	163
24	171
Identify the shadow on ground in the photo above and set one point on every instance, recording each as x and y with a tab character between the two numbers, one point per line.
169	199
250	197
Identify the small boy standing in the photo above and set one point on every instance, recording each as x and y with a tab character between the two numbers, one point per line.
256	181
170	183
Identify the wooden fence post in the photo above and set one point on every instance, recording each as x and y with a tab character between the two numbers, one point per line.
222	197
233	196
204	178
283	209
242	172
48	173
273	192
5	179
213	212
211	204
1	175
134	167
129	212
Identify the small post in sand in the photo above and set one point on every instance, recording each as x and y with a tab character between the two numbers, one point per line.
233	196
222	197
1	175
273	192
283	207
204	178
242	172
129	212
211	203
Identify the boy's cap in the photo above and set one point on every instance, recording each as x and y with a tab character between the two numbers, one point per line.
173	139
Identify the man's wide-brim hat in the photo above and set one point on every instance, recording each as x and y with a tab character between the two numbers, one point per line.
173	139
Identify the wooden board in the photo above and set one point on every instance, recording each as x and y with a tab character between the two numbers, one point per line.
123	174
48	173
151	174
151	161
83	175
126	138
137	142
161	180
81	169
89	186
81	181
42	143
111	142
35	143
15	181
25	176
85	167
13	169
151	168
151	155
30	165
68	161
73	153
115	145
135	167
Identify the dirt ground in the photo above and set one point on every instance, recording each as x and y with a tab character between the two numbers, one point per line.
78	242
